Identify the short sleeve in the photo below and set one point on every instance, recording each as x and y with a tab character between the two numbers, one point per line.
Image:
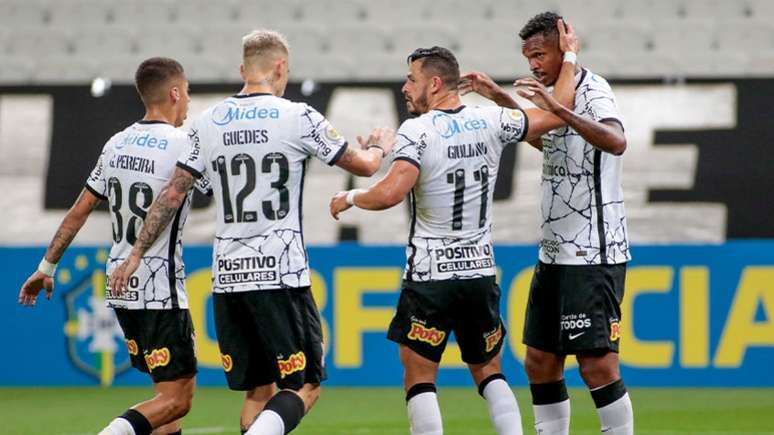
204	185
96	182
600	101
318	137
513	125
411	143
192	158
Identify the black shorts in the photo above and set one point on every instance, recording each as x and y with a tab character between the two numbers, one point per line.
160	342
575	308
429	311
269	336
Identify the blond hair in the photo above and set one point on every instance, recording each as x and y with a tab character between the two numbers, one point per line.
261	47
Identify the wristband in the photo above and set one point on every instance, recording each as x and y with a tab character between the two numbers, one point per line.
571	57
46	268
351	196
377	146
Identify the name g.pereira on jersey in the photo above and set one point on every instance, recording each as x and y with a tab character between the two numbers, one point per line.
458	154
133	168
254	148
582	205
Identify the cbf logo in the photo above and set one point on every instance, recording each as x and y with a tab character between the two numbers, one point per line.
448	126
229	111
94	340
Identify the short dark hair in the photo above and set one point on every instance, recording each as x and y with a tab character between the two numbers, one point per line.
439	61
543	23
153	73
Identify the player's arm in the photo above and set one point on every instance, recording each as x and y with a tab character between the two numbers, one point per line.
161	212
483	85
68	229
607	136
386	193
366	161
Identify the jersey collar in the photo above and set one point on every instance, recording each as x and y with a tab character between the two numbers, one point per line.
254	94
457	110
152	121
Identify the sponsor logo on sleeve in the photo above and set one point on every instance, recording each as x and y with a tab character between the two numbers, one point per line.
294	363
431	336
332	134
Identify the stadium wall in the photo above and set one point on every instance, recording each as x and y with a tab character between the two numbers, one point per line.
693	315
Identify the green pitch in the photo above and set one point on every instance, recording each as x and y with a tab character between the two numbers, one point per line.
353	411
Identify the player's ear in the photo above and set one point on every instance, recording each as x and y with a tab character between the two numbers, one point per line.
174	93
242	71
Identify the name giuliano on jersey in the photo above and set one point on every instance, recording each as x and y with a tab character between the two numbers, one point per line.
133	168
254	148
458	154
582	199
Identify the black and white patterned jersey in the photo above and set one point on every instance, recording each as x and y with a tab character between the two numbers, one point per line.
254	149
458	154
134	166
582	207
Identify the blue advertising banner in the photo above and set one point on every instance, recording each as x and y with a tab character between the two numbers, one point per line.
692	316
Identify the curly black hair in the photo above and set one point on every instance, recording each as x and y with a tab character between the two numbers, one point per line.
543	23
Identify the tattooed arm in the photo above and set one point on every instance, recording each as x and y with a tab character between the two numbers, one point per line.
365	162
158	217
68	229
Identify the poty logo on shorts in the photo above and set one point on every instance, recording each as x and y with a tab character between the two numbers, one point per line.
432	336
227	362
294	363
615	331
158	358
493	338
131	347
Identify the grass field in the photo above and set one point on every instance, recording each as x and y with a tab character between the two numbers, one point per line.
352	411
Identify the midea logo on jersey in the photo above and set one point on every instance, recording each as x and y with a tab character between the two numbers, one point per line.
448	126
230	111
142	140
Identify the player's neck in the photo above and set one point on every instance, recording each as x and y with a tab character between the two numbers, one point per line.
449	101
251	88
164	114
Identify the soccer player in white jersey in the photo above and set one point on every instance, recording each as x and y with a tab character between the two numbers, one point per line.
446	161
576	292
134	166
254	147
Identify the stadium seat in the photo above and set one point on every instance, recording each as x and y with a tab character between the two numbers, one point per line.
518	12
90	12
616	36
168	41
709	9
266	14
30	40
761	65
749	35
59	68
357	39
590	11
684	36
17	70
330	67
725	64
102	41
339	12
382	66
406	37
141	12
198	11
20	14
456	11
641	65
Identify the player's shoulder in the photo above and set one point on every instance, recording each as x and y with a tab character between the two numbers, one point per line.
416	125
595	81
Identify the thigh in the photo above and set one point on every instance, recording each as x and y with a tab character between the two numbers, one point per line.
542	318
129	323
479	330
590	308
422	321
240	345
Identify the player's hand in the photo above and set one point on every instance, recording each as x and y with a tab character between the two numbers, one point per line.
479	83
28	294
568	39
339	204
119	279
535	92
382	137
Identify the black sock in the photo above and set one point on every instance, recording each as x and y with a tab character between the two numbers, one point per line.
608	394
485	382
288	406
180	432
139	423
548	393
417	389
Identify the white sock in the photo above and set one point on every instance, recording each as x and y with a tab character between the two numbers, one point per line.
552	419
119	426
617	418
425	414
267	423
503	408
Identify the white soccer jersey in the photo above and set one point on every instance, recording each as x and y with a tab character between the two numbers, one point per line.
458	154
254	150
134	166
582	199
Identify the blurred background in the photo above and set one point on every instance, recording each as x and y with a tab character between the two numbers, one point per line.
694	81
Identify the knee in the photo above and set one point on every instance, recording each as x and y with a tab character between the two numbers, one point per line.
311	393
596	374
543	367
181	403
